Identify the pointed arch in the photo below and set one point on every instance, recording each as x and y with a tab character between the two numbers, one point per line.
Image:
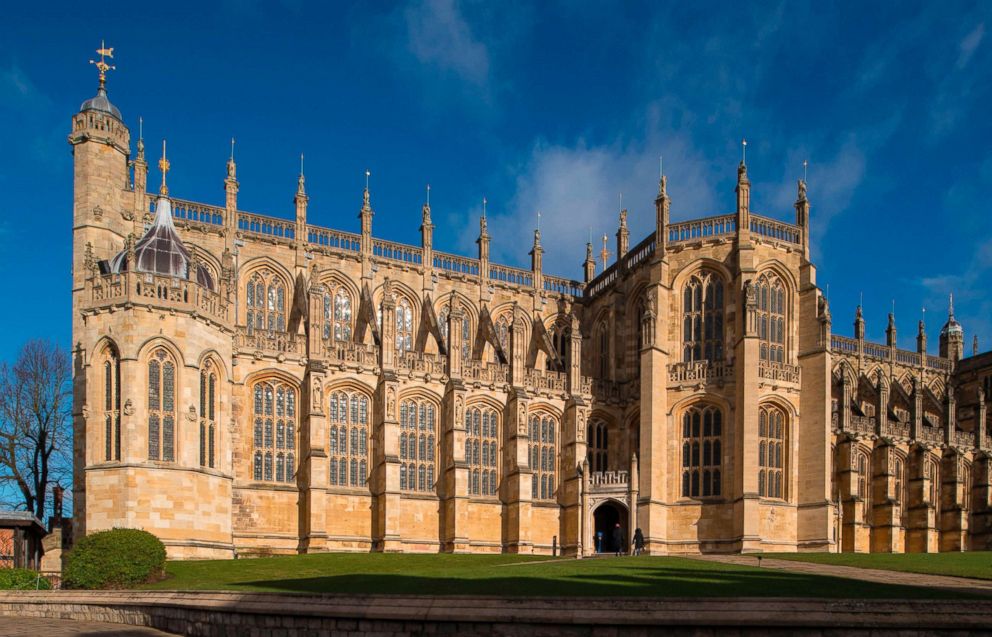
107	367
268	294
274	400
162	383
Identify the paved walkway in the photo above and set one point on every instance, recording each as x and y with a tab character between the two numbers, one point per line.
962	584
33	627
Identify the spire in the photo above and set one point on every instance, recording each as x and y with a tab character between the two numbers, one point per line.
974	345
589	265
301	190
366	206
890	331
623	234
743	196
141	139
483	239
163	165
921	335
662	208
950	307
232	168
859	324
426	210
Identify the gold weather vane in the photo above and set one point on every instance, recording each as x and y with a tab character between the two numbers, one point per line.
163	165
101	64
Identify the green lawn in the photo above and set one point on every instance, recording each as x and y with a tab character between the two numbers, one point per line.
516	575
967	564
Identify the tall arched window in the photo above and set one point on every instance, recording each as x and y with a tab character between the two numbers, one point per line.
966	487
404	326
702	454
208	414
771	452
161	407
266	301
604	351
112	405
337	315
348	446
543	456
771	318
481	450
503	335
702	318
442	321
561	337
863	468
274	418
933	477
900	486
599	444
418	431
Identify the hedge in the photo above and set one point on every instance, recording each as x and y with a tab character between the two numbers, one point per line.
22	579
119	558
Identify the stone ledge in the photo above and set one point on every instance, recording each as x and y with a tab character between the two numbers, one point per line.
226	613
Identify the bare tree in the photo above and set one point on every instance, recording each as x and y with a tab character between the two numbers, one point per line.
35	424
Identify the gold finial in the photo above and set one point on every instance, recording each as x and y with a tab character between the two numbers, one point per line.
163	165
743	151
604	254
101	64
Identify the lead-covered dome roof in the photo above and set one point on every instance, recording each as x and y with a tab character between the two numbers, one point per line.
100	102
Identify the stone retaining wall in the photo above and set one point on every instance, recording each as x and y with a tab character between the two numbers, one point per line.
215	614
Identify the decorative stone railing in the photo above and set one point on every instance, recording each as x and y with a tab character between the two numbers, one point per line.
962	438
877	351
511	276
278	230
607	391
586	385
545	380
271	343
349	353
422	363
932	435
639	253
779	372
493	374
559	285
603	281
400	252
860	424
166	292
696	371
194	214
700	229
772	229
456	264
334	240
609	478
892	429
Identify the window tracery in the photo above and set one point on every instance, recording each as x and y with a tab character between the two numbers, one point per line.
702	434
599	443
112	405
161	406
208	415
404	326
543	456
481	450
604	351
442	320
702	318
771	452
266	302
418	431
274	431
771	318
349	435
337	315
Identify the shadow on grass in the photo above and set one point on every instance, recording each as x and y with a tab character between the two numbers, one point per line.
635	582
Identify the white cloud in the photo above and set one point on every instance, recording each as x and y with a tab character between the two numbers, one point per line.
576	188
969	45
439	35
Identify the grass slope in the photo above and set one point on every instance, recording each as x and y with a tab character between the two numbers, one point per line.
515	575
967	564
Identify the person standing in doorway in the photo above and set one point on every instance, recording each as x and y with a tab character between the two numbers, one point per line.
638	541
618	539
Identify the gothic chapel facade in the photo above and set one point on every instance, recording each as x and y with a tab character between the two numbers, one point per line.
246	384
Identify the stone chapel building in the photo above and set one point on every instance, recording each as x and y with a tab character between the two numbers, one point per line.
246	384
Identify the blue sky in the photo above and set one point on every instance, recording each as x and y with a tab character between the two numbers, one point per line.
551	106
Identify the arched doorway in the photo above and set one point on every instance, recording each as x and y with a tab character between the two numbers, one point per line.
606	517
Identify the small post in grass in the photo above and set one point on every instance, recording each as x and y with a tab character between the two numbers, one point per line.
554	546
759	561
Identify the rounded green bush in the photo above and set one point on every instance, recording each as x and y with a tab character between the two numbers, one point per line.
119	558
22	579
